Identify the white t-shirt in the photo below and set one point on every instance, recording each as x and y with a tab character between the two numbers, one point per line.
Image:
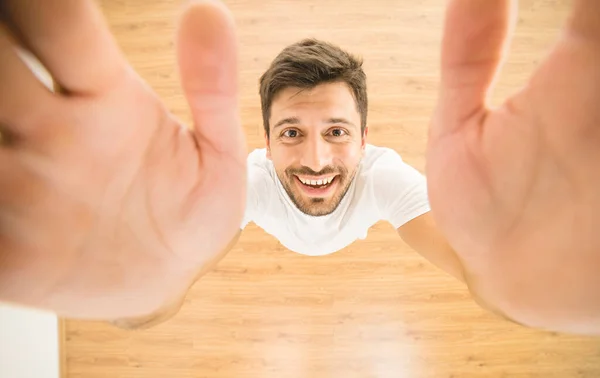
384	188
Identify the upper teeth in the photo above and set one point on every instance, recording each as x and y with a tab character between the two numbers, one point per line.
317	182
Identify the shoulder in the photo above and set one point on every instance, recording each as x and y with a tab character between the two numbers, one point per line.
399	189
394	183
384	165
259	185
257	158
258	165
376	156
259	173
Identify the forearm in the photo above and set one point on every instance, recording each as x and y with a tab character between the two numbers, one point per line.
172	308
421	234
555	290
565	299
436	251
547	291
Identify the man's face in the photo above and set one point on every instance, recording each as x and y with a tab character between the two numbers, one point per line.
316	144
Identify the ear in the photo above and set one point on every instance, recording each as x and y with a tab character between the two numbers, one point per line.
364	138
268	145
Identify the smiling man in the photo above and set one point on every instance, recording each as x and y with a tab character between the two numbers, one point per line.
514	189
318	185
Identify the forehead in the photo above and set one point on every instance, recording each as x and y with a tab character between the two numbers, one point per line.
336	99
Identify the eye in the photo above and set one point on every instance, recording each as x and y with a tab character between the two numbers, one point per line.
338	132
290	133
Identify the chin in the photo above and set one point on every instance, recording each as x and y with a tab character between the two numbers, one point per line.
317	207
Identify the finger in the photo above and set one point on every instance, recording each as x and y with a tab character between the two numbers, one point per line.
473	47
71	39
207	55
20	93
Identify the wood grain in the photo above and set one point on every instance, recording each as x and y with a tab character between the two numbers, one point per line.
374	309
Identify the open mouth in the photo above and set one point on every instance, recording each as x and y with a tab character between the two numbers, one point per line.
318	187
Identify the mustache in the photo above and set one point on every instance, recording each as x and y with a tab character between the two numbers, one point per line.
306	171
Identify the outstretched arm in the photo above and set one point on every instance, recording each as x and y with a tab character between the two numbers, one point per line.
173	307
422	235
109	206
515	190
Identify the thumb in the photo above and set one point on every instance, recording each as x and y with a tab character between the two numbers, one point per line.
473	46
207	56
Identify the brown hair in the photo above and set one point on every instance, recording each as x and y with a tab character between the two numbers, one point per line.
308	63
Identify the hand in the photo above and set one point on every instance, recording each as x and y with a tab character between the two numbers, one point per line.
109	206
517	189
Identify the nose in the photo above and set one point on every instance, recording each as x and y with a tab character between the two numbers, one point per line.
316	154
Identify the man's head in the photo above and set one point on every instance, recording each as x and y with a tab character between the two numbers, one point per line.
314	106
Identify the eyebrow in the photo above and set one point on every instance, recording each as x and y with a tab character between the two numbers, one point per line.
287	121
340	120
296	121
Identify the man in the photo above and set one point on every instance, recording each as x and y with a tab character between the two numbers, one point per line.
318	185
110	209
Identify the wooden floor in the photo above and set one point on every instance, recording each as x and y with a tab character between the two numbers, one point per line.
375	309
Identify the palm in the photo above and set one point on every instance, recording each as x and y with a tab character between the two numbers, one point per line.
521	181
129	204
136	184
